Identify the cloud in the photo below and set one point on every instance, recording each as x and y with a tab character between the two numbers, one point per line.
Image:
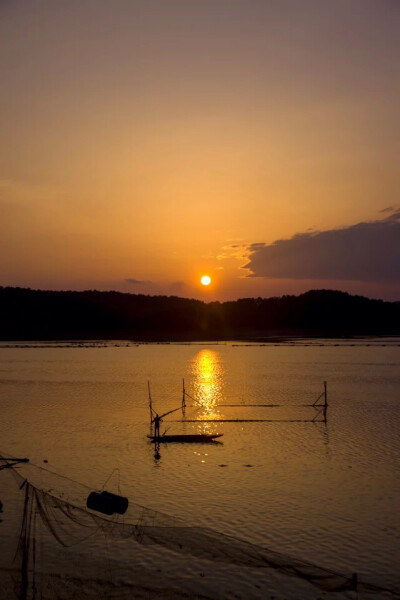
233	251
363	252
164	288
133	281
390	209
176	287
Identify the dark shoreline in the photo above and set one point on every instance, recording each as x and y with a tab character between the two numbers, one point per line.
35	315
316	341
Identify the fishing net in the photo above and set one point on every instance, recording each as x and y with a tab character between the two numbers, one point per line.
70	523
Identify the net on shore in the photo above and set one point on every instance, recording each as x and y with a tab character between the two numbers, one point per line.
70	523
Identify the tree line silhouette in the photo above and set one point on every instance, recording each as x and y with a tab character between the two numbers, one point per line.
27	314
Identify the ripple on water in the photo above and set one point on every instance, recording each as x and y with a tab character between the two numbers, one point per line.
323	493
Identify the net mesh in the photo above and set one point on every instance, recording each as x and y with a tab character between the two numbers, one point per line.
64	515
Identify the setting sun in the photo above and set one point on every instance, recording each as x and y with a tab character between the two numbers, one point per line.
206	280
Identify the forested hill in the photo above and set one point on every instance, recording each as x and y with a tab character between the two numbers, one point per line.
27	314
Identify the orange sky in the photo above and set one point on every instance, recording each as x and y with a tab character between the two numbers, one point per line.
144	144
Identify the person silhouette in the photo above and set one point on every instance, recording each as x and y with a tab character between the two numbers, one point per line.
157	421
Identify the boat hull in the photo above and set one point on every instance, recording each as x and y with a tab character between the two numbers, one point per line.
193	439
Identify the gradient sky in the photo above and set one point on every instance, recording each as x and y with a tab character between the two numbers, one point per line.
144	144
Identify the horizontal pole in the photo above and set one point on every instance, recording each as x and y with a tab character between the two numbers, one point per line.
248	421
258	405
267	405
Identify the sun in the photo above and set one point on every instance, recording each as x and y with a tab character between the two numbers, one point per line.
205	280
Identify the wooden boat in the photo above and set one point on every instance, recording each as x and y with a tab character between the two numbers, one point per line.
201	438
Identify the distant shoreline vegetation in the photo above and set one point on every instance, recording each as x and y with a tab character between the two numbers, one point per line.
27	314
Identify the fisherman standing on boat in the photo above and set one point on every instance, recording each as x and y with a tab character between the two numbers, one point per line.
157	420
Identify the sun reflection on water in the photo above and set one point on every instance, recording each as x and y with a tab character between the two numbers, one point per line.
208	373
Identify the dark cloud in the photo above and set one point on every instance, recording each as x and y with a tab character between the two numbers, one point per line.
390	209
133	281
164	288
362	252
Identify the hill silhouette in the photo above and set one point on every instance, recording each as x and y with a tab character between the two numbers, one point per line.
27	314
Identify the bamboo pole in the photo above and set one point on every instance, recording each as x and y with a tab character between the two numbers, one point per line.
183	396
150	403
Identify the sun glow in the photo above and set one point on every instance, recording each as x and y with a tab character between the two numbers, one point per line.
205	280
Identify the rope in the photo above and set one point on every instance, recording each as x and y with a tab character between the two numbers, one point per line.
116	470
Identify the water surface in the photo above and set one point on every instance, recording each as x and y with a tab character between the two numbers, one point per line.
321	492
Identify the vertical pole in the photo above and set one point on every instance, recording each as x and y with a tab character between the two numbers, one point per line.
150	406
183	396
326	401
24	541
354	581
